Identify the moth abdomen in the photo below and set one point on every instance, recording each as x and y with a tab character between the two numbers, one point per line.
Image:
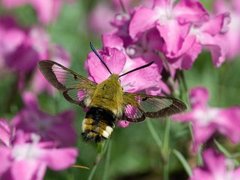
98	124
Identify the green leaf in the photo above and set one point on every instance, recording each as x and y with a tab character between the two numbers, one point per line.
183	161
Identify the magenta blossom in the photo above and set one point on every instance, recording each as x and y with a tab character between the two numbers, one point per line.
109	10
28	158
232	37
58	128
138	54
208	120
216	167
47	10
21	50
96	22
118	63
185	27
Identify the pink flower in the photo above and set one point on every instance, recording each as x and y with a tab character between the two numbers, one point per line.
96	22
118	63
21	50
28	158
58	128
110	10
216	167
232	37
47	10
139	53
185	28
123	123
208	120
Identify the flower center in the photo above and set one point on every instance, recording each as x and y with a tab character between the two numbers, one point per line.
206	116
27	151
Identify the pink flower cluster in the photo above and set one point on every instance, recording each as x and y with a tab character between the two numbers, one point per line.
47	10
27	47
232	37
216	167
34	141
206	121
170	33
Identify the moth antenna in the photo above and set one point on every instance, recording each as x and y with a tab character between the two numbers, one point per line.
99	57
141	67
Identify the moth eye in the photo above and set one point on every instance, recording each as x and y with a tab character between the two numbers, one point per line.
144	99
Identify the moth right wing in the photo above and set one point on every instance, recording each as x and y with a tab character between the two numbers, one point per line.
75	88
139	106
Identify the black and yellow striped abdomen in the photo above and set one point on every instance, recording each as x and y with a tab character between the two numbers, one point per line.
98	124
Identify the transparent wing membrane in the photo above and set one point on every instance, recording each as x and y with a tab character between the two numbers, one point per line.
69	82
140	106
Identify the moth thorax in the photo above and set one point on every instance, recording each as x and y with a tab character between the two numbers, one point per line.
98	124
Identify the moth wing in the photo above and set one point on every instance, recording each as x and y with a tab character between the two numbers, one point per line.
75	88
139	106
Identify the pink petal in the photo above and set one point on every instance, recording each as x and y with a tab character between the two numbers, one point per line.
28	170
17	37
229	123
173	35
201	134
201	173
142	20
96	21
161	3
59	159
199	97
114	59
14	3
216	25
218	53
123	124
212	159
183	117
190	11
4	159
47	10
188	58
142	79
30	100
113	41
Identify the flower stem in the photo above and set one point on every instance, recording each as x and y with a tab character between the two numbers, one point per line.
183	161
166	137
166	171
156	138
165	149
107	163
102	150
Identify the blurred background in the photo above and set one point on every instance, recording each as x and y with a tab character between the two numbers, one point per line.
70	26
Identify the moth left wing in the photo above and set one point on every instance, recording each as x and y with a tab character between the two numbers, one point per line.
74	87
139	106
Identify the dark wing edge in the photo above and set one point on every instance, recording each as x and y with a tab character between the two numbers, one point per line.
151	106
67	81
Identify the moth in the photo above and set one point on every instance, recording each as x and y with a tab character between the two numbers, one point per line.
106	102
